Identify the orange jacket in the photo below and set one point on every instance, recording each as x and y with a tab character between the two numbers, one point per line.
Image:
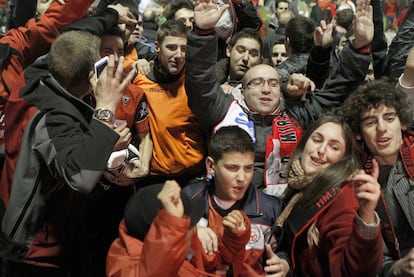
164	251
175	131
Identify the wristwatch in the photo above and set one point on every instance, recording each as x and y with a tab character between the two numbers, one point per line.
104	115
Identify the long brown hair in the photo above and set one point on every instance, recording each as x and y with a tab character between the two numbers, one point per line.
336	174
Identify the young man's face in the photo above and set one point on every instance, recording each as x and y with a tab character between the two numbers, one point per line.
171	53
262	98
381	132
138	31
279	54
243	55
111	45
233	174
186	16
281	7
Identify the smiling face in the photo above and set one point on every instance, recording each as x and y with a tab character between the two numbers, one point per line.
265	99
243	55
233	174
381	131
171	53
325	146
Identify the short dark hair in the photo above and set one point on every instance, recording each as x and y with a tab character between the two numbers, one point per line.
176	5
72	56
171	27
114	31
247	33
230	139
372	95
300	30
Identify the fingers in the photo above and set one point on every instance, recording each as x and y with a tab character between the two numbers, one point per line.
274	265
208	239
375	169
234	221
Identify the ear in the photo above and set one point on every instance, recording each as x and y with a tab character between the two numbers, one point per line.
210	165
157	47
358	137
228	51
404	127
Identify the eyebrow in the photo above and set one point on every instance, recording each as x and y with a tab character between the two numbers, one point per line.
333	140
374	116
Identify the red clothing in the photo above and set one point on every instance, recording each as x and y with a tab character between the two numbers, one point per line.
390	8
163	252
133	109
32	41
343	250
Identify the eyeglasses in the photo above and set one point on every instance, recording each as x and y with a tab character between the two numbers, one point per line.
258	83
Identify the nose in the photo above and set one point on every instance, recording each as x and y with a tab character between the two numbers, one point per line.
321	149
266	87
188	24
381	125
246	56
179	53
240	177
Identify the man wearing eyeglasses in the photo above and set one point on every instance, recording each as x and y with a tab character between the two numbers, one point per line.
275	124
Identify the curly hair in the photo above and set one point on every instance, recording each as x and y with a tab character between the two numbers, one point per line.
372	95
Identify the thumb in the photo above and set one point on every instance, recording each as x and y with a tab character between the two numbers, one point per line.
269	251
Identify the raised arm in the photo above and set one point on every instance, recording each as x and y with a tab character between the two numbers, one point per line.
205	96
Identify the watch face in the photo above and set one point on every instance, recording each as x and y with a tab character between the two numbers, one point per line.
104	114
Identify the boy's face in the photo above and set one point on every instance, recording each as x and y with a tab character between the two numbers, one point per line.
171	53
381	132
233	174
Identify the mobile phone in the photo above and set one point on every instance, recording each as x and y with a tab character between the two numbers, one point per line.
100	65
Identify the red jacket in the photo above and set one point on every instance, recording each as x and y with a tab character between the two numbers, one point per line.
343	250
31	41
164	251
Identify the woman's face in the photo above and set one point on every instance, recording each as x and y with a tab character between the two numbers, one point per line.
325	146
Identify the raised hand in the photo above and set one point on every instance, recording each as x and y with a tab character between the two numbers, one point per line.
324	34
208	239
207	14
363	24
234	222
368	192
111	84
299	84
170	198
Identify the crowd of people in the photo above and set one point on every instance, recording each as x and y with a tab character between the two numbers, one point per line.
220	138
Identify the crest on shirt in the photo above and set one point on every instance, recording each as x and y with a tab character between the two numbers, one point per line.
125	99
